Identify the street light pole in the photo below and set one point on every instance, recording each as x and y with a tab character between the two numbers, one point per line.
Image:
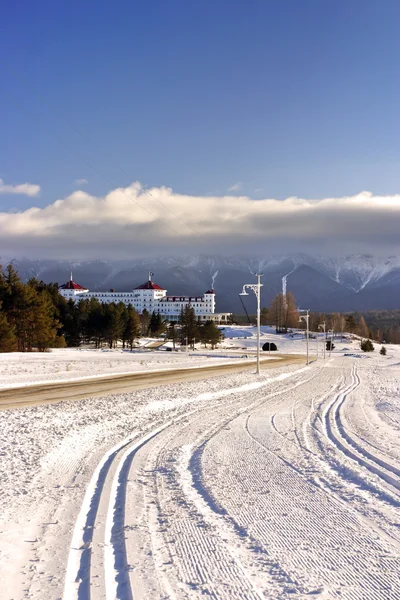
306	318
256	288
323	326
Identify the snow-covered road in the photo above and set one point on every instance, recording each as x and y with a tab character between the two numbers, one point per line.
282	486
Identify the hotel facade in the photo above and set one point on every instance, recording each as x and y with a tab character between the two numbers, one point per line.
153	298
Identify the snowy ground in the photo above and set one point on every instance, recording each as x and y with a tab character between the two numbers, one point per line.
285	485
70	364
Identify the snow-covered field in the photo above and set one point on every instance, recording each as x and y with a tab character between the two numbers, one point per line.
75	363
285	485
18	368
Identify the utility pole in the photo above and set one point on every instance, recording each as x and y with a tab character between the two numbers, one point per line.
306	318
256	288
323	326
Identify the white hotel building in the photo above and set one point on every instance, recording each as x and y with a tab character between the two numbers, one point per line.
151	297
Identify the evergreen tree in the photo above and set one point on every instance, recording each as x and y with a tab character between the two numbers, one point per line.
210	334
132	326
145	322
72	324
157	325
8	341
367	346
43	325
189	326
95	321
350	324
112	323
172	333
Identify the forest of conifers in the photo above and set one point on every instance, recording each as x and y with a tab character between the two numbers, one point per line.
34	316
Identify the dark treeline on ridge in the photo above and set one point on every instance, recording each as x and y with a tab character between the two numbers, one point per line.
34	316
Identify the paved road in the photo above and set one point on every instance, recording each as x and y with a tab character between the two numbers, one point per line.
47	393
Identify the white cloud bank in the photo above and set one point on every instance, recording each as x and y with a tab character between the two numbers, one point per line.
24	189
115	226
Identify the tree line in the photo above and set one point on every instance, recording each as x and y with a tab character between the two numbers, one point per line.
34	316
284	315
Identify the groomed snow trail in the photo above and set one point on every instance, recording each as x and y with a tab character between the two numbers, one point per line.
265	493
284	486
98	564
282	500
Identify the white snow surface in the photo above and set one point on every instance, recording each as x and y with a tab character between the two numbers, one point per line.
283	485
19	368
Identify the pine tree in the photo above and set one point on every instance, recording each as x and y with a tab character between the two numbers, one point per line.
145	322
94	320
8	341
350	323
44	326
189	326
112	323
210	334
72	324
172	333
132	326
157	326
367	346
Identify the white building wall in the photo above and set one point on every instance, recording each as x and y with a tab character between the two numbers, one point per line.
154	300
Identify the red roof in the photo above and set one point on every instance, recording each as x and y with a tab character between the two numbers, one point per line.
149	285
210	292
71	285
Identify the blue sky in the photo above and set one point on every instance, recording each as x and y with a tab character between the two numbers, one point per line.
273	98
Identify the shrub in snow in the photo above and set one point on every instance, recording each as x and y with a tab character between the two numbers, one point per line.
367	346
383	351
269	346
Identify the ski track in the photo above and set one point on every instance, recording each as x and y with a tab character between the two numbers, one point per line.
274	489
331	528
110	478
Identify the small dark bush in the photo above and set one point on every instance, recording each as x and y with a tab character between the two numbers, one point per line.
383	351
367	346
269	346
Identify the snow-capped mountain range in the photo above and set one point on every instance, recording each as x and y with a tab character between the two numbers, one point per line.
347	283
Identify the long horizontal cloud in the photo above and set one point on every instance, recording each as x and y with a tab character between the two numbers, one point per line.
23	189
130	221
